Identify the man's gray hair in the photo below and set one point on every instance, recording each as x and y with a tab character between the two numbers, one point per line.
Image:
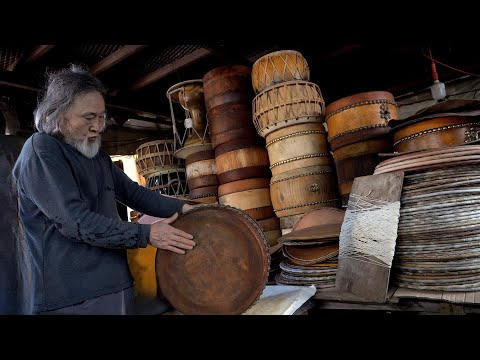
63	87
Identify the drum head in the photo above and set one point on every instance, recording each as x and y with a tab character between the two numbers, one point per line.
226	271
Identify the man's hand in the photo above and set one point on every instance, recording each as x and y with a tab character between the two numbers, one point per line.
164	236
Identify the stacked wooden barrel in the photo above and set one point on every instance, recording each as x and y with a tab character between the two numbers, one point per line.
357	132
240	155
288	111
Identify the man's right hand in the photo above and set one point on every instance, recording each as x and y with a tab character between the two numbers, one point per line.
164	236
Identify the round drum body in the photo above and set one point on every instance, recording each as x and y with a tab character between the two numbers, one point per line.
298	146
226	271
249	195
286	104
277	67
229	122
359	117
155	156
241	159
436	133
201	169
227	84
301	190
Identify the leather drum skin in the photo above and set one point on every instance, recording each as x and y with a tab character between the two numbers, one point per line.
226	271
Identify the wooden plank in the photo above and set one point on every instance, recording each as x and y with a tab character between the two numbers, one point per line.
362	272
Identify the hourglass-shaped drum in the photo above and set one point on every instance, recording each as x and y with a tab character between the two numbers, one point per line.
189	94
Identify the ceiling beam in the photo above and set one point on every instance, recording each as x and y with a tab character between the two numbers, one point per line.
8	79
170	68
38	52
35	54
115	57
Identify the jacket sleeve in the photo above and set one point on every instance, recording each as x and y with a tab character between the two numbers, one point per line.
50	184
144	200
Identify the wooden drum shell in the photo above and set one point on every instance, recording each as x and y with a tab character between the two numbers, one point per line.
227	84
349	117
436	133
249	195
301	190
201	169
298	146
241	159
229	122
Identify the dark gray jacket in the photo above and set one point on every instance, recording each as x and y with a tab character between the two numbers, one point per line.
67	207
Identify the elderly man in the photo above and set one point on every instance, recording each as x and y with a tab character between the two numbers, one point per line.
67	192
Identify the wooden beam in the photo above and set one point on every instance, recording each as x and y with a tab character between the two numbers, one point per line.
170	68
115	57
38	52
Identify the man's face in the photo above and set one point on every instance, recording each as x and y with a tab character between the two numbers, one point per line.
84	122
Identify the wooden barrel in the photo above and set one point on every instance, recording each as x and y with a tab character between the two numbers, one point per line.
271	229
155	156
241	159
286	104
201	169
277	67
298	146
249	195
227	84
359	117
230	121
436	133
358	159
301	190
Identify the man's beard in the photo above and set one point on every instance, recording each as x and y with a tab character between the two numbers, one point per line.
85	147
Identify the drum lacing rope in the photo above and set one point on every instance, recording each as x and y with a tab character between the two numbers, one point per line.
370	230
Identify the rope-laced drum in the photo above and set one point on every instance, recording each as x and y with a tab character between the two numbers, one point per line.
279	66
170	182
155	156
